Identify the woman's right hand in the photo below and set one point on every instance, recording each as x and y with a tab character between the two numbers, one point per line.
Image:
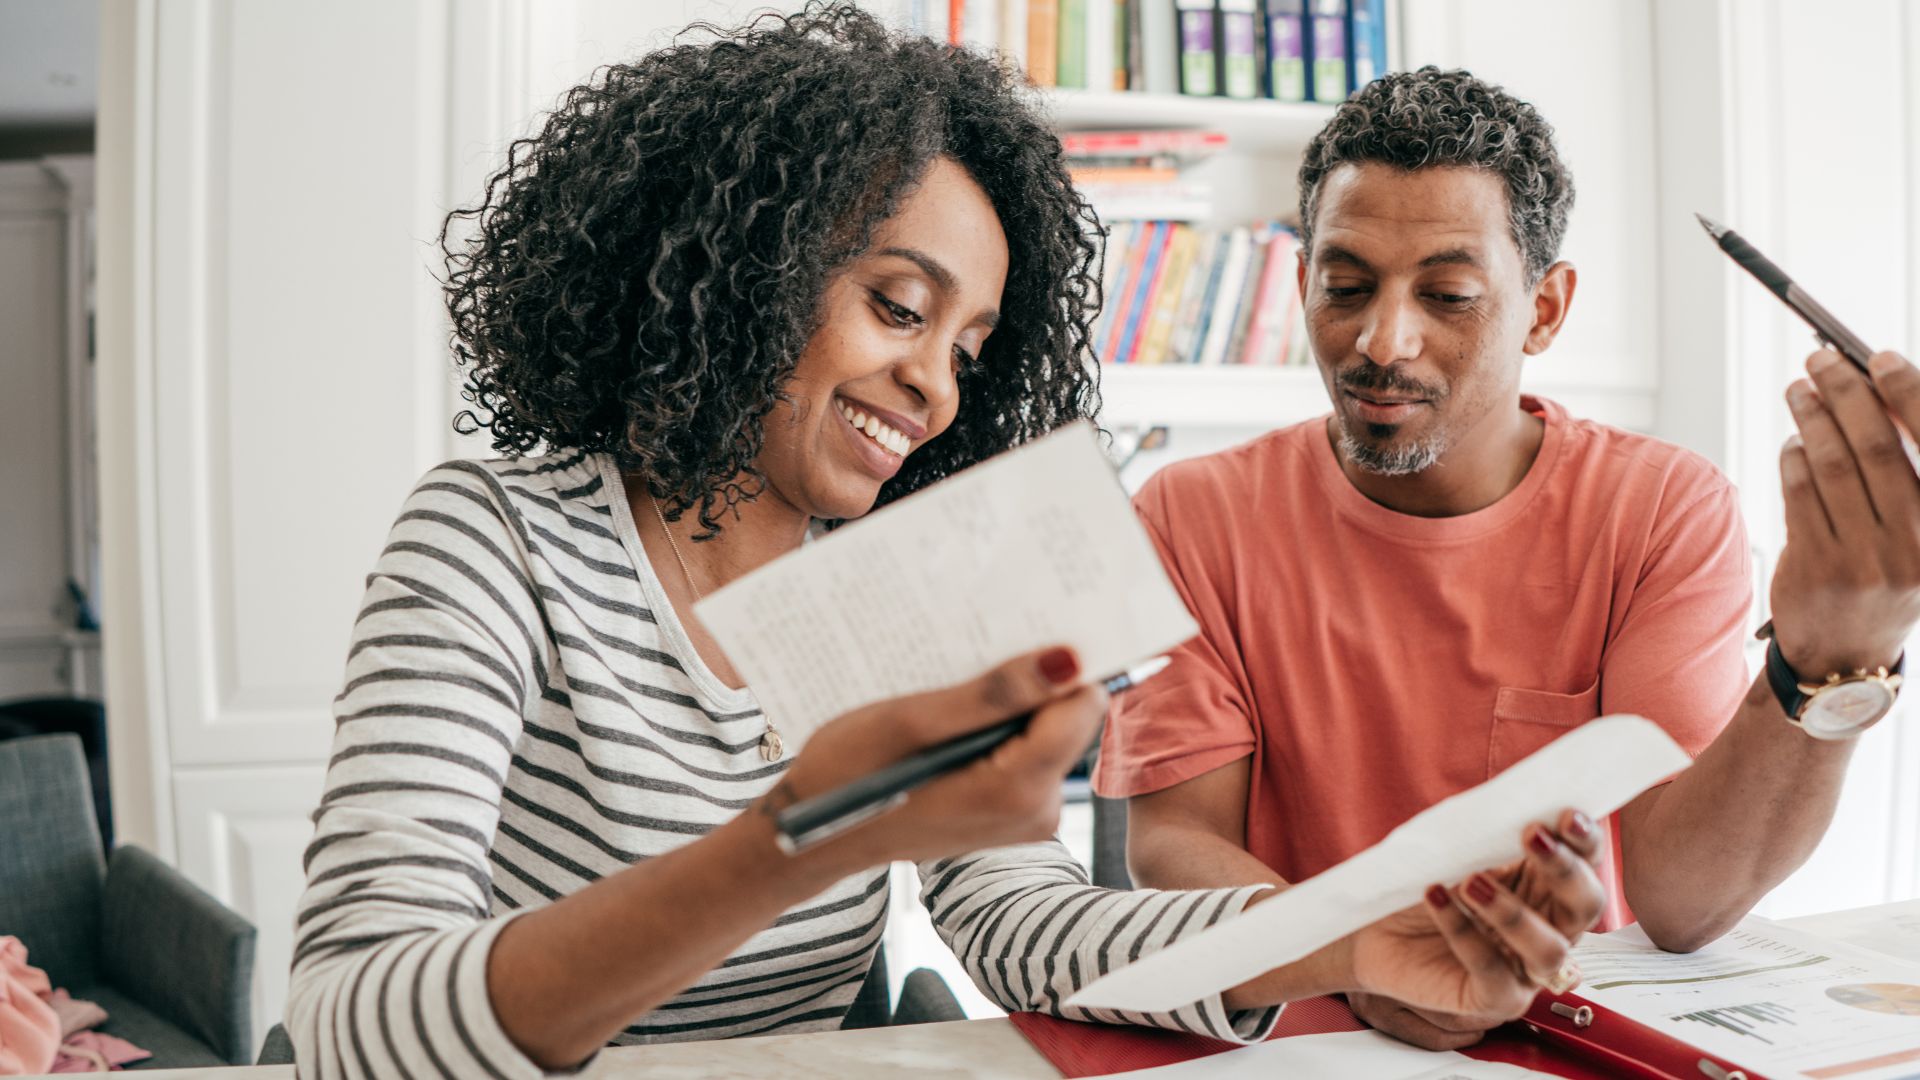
1010	796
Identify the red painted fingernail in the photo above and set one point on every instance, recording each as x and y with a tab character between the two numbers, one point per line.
1437	897
1540	842
1480	889
1060	665
1582	825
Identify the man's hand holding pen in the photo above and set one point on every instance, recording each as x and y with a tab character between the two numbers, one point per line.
1846	592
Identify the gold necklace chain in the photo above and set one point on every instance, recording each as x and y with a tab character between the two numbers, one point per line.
771	745
674	546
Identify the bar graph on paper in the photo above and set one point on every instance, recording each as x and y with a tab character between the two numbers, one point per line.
1773	1000
1755	1021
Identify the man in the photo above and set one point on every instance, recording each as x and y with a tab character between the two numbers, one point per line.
1404	598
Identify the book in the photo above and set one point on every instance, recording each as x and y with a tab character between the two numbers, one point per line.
1114	276
1123	43
1163	305
1286	50
1274	303
1159	47
1130	285
1070	69
956	21
1043	42
1013	31
1236	349
1100	45
1327	42
980	25
1237	264
1154	250
1179	200
1184	145
1239	48
1366	40
1189	308
1199	57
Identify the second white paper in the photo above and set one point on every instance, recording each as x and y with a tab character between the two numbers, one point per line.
1595	768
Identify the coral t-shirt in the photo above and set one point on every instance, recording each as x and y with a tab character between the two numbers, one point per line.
1373	663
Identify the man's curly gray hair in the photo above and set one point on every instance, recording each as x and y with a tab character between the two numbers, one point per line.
1426	118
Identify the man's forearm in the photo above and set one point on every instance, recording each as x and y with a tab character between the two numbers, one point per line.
1701	851
1174	856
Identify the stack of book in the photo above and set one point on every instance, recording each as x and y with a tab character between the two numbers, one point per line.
1287	50
1176	293
1137	175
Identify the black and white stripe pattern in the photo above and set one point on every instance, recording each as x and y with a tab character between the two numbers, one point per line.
523	714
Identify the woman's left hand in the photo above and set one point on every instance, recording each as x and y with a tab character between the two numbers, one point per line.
1440	974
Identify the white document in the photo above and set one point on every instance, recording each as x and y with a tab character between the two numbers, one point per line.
1768	998
1036	547
1893	929
1596	768
1350	1055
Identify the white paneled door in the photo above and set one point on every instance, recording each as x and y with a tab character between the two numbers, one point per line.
276	375
241	834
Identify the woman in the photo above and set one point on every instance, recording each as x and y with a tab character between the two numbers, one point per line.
730	290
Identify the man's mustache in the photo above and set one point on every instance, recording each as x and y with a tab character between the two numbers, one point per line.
1390	380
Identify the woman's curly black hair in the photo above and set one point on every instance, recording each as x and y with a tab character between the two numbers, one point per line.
641	276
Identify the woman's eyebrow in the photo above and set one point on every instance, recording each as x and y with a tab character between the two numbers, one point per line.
941	276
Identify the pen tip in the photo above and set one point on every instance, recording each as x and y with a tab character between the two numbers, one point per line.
1714	228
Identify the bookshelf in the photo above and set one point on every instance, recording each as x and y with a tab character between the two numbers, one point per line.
1254	178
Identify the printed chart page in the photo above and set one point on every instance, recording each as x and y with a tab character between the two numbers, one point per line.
1772	999
1036	547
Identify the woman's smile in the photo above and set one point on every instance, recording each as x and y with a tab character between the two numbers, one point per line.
880	446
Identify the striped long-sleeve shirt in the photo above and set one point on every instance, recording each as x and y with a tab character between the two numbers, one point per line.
523	714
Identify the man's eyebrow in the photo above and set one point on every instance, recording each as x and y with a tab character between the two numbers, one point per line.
1334	253
941	276
1452	257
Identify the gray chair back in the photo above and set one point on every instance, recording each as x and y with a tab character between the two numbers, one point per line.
1109	869
51	868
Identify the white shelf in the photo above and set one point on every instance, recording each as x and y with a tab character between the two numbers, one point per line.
1271	397
1252	127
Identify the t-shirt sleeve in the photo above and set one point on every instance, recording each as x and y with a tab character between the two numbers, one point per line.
1196	715
1679	657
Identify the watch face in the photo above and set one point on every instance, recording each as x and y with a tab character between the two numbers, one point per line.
1837	712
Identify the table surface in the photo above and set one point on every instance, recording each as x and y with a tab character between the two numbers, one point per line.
959	1050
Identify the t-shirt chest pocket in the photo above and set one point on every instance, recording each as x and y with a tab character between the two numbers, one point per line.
1526	720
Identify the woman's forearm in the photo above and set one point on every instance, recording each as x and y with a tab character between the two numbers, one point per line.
566	978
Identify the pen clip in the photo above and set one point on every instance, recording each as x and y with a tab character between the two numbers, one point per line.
791	843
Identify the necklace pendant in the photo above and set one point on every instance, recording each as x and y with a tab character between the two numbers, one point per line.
770	745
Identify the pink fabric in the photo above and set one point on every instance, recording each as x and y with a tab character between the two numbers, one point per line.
35	1018
29	1028
90	1051
75	1015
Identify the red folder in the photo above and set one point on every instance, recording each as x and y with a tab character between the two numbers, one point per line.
1607	1047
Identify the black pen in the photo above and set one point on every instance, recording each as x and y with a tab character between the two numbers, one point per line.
1825	326
810	821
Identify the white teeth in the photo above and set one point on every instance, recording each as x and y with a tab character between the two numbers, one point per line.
874	429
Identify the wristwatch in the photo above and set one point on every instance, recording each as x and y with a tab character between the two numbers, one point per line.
1839	708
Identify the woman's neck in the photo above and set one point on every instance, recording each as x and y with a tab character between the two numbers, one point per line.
751	534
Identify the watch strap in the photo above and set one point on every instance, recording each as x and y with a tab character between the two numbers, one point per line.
1785	682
